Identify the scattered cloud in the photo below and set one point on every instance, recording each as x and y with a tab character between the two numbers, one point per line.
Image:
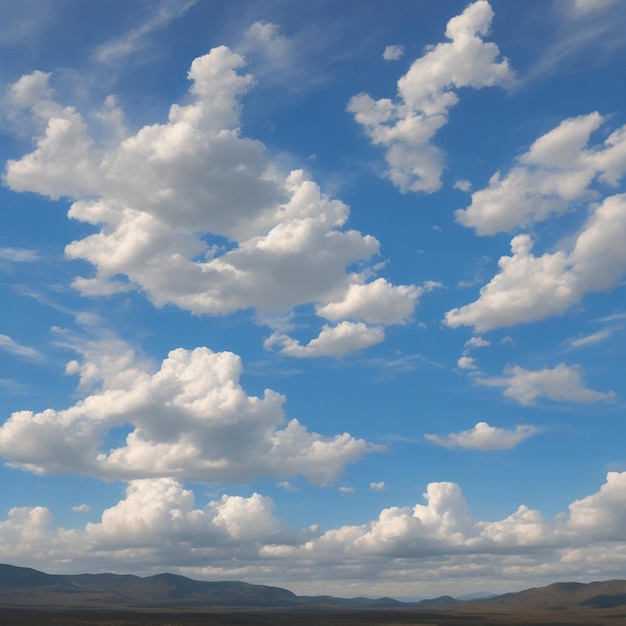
425	95
81	508
157	522
463	185
23	352
590	340
189	419
556	172
19	255
484	437
582	7
467	363
156	194
334	341
562	384
377	486
115	50
530	288
476	342
393	53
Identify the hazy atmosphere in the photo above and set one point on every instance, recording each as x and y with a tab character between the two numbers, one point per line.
323	295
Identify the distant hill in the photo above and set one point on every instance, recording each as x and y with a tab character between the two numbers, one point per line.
560	596
28	588
25	587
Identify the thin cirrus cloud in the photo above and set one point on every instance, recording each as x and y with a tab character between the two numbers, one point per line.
155	193
23	352
426	93
484	437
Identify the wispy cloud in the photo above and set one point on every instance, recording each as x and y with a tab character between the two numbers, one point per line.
23	352
114	50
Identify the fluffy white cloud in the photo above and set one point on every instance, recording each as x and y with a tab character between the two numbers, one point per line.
334	341
157	523
426	93
192	212
530	288
191	418
467	363
378	302
562	384
484	437
377	486
476	342
557	170
393	53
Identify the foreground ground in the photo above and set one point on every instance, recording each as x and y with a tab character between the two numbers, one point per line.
302	617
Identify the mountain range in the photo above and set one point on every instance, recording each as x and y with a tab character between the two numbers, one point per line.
25	587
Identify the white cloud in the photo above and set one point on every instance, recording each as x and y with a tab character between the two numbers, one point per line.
467	363
23	352
557	171
562	384
484	437
463	185
81	508
530	288
334	341
377	486
158	523
590	340
158	195
345	491
191	418
115	50
19	255
476	342
426	93
266	37
393	52
377	302
582	7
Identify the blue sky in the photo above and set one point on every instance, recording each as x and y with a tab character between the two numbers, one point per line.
328	298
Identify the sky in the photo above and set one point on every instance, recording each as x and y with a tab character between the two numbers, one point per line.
327	296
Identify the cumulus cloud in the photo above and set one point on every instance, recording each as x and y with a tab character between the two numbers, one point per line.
562	384
476	342
393	52
197	215
377	486
158	522
530	288
377	302
191	419
555	172
334	341
426	93
467	363
484	437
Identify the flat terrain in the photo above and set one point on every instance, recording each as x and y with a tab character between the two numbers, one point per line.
302	617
